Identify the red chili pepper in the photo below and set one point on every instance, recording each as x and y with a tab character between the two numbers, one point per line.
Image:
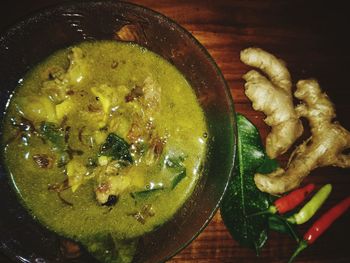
289	201
321	225
293	199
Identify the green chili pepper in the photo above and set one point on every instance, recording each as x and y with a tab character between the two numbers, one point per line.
312	206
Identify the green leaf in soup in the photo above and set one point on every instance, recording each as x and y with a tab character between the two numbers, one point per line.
117	148
54	135
178	178
175	162
242	197
176	168
150	189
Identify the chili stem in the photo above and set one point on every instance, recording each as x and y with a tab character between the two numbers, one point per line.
321	225
295	236
302	245
287	202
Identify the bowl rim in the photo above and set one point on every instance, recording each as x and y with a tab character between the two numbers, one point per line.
7	30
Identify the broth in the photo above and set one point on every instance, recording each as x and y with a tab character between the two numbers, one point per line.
110	140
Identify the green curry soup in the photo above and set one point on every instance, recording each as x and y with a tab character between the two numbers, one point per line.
104	140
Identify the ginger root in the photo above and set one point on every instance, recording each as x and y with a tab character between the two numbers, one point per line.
328	141
274	98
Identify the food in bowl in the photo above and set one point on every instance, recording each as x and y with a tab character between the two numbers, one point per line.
110	140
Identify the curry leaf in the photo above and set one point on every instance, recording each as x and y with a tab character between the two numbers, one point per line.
54	135
174	161
242	197
146	193
117	148
177	168
178	178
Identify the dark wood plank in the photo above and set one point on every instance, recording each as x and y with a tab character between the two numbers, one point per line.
312	37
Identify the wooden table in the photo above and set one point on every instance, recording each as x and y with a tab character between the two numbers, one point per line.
312	37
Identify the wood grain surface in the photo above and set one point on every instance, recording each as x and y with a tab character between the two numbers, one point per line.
312	37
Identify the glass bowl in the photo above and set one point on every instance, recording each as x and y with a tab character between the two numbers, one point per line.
22	239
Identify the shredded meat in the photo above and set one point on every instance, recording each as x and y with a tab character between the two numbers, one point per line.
43	160
134	94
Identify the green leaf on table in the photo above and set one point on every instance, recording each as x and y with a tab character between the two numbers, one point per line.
268	166
281	225
242	197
